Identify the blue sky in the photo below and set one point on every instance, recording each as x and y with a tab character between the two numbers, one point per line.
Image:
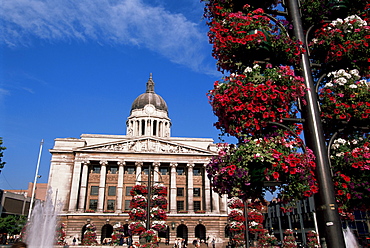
73	67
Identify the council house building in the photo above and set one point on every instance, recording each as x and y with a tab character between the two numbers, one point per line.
92	176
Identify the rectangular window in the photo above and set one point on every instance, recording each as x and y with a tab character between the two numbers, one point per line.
112	190
196	192
93	204
127	204
180	205
110	204
128	189
197	205
113	170
196	172
130	170
163	171
180	171
180	191
94	190
96	169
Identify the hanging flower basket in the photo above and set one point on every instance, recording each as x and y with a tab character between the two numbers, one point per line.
343	42
138	201
345	98
312	239
235	202
350	162
159	189
139	190
159	226
241	170
265	239
158	214
159	201
246	103
240	38
289	239
236	215
236	226
89	237
137	227
149	235
137	214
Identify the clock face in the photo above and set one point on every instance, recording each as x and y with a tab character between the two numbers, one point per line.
149	109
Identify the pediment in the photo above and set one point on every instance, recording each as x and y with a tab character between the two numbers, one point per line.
146	145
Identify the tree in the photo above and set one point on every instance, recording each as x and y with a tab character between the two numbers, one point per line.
12	224
1	154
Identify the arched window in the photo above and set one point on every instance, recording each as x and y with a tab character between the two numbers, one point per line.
200	232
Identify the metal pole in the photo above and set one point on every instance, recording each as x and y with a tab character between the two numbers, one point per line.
246	232
149	197
35	180
330	224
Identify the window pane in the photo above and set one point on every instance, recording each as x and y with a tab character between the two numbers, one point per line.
196	172
196	205
110	204
93	204
112	190
96	169
128	189
94	190
180	171
130	170
180	191
146	171
180	205
196	192
127	204
163	171
113	170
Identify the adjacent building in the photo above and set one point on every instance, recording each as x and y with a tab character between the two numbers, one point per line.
92	175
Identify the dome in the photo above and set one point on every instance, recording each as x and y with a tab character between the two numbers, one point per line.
149	97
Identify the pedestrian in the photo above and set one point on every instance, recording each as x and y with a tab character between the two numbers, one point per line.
213	243
74	241
19	244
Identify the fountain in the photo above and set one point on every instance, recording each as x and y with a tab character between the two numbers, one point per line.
41	227
350	239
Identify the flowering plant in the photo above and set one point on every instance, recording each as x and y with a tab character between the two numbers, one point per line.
149	235
255	221
138	201
137	214
277	157
90	211
345	41
158	214
60	234
289	239
159	189
89	237
118	232
139	190
350	161
236	35
235	202
236	215
246	103
236	226
266	240
159	226
344	97
312	240
159	201
137	227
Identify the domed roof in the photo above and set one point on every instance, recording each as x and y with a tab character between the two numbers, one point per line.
149	97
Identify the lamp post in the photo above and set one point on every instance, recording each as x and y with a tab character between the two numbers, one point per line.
314	135
35	180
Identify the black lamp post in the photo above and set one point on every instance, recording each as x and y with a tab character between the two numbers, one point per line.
330	226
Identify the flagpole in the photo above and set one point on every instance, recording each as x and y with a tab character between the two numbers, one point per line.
35	180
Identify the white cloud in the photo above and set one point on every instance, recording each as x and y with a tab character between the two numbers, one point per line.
108	22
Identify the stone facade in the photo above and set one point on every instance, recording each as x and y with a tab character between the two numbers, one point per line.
92	175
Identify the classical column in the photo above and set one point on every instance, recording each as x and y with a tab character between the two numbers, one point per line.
120	164
207	189
190	188
215	203
156	171
74	186
103	172
139	166
173	191
223	200
83	189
